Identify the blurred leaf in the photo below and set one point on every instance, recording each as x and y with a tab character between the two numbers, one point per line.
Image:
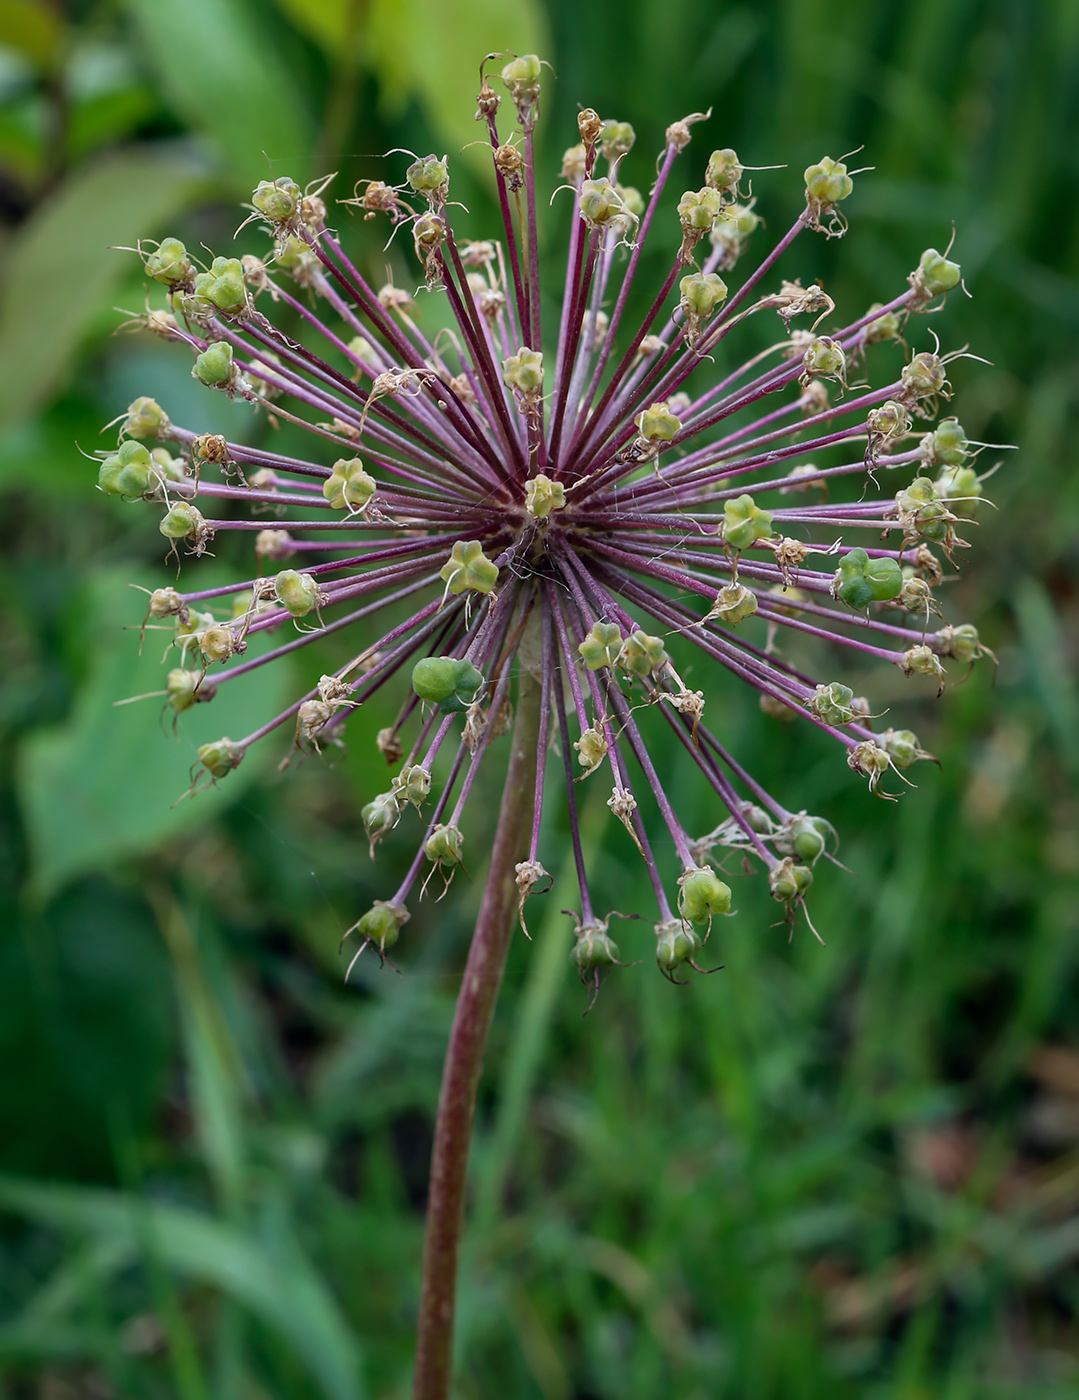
331	23
224	74
31	28
105	784
60	270
439	62
285	1293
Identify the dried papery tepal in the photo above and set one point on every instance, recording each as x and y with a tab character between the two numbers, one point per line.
576	505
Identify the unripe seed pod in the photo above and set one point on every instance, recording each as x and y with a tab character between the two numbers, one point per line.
744	522
860	580
214	366
658	424
222	288
642	655
594	947
169	264
924	376
429	176
962	642
542	496
468	568
789	882
827	182
216	644
702	895
921	661
825	359
886	327
724	170
297	593
413	784
349	486
382	923
450	682
701	294
676	943
182	521
274	544
591	749
444	845
380	815
902	746
278	200
524	372
602	646
129	472
616	139
832	704
699	209
184	688
146	419
220	757
522	74
734	603
934	274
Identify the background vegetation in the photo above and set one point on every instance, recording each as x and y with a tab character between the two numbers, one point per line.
849	1170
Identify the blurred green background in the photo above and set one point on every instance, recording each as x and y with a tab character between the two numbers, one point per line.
848	1170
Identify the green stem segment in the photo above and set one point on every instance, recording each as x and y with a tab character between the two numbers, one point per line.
464	1059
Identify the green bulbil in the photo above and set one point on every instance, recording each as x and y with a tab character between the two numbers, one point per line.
450	682
860	580
744	522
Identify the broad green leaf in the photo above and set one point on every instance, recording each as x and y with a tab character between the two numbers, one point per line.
105	784
223	73
433	51
277	1285
61	269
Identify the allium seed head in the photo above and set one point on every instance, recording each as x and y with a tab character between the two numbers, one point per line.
565	505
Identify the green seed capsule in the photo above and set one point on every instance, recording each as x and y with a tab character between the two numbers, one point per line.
860	580
744	522
450	682
214	366
702	895
602	646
